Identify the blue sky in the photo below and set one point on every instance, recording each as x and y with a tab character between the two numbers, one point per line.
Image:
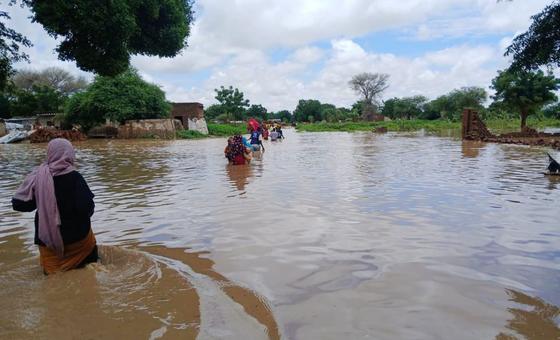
278	52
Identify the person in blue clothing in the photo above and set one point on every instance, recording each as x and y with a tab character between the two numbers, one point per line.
246	142
256	140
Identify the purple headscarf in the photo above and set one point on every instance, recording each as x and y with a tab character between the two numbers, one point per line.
40	184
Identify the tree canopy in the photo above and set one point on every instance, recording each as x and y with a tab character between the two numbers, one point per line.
100	36
30	92
308	111
124	97
450	106
404	108
257	111
284	115
10	42
540	45
525	91
231	102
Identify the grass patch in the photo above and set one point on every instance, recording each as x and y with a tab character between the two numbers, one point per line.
512	125
496	125
190	134
394	125
214	130
226	130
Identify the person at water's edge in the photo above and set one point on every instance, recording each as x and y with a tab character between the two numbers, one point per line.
64	206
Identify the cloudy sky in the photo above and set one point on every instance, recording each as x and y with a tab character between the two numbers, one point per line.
280	51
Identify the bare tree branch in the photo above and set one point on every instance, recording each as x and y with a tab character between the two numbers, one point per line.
369	86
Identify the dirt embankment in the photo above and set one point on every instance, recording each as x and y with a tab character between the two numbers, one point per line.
475	129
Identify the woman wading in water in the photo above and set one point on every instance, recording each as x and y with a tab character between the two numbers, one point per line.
64	206
236	152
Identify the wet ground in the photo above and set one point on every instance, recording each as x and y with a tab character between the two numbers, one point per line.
329	236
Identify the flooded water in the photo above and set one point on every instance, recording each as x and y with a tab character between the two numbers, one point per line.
328	236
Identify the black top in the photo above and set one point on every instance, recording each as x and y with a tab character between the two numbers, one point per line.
75	206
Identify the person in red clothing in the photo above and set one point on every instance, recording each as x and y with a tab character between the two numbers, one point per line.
236	152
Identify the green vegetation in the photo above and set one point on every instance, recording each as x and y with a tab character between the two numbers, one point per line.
497	125
540	45
10	43
124	97
451	105
394	125
215	130
232	104
223	130
510	125
31	92
100	36
525	91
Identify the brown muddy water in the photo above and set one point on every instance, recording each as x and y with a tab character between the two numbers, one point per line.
328	236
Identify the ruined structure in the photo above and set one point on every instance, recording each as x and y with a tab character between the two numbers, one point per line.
47	119
148	128
44	135
474	129
191	115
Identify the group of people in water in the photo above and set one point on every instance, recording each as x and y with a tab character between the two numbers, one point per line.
239	150
64	203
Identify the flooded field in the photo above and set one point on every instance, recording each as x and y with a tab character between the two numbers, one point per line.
328	236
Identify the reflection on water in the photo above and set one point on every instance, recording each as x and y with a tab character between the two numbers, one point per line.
239	176
326	236
533	319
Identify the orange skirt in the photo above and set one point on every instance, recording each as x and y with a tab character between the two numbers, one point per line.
74	254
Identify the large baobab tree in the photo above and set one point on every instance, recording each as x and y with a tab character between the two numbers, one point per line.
369	86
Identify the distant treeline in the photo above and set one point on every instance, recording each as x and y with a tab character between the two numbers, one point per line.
448	107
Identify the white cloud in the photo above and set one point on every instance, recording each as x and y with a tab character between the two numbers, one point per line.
281	85
235	43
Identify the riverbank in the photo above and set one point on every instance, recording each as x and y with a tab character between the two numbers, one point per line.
498	125
502	125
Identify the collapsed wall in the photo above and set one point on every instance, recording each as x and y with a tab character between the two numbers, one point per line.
473	127
44	135
147	128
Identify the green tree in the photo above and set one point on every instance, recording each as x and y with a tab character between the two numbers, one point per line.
308	111
213	111
283	115
257	111
10	43
358	108
404	108
232	102
33	100
540	45
327	110
100	36
124	97
451	105
525	91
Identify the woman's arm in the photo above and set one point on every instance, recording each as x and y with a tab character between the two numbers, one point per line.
19	205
